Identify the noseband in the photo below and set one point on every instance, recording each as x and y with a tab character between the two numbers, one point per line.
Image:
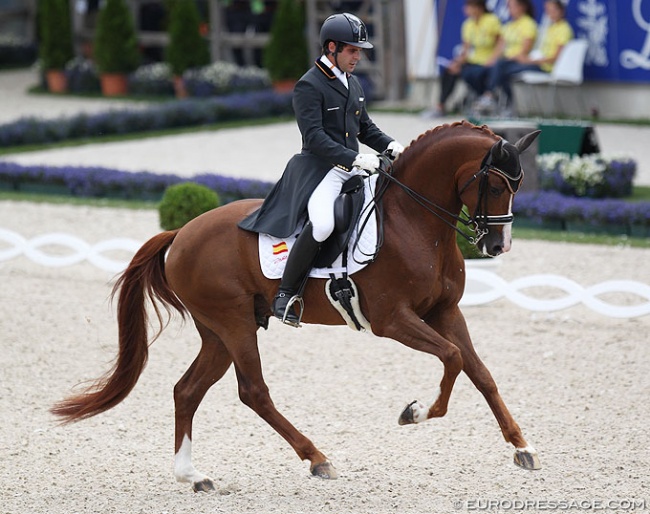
481	219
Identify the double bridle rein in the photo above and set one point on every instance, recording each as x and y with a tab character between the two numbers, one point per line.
480	219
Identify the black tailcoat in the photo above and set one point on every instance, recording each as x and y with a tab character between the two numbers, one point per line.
332	120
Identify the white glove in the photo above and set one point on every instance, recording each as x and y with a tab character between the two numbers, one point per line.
395	149
367	161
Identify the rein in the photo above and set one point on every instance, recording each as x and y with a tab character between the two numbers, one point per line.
480	220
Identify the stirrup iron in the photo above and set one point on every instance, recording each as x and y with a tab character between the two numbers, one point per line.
294	299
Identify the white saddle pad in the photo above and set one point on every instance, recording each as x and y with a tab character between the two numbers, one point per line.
274	251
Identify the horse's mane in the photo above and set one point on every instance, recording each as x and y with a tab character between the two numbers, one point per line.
427	138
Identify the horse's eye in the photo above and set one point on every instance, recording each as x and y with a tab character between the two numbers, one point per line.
496	191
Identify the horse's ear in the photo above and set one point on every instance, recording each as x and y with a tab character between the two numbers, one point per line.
526	140
497	151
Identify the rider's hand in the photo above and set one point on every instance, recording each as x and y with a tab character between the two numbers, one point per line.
367	161
395	149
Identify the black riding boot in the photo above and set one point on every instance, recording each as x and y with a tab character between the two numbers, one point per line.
299	264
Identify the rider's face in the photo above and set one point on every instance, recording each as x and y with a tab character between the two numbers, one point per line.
348	57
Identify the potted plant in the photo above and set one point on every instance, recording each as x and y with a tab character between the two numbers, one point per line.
286	57
187	47
55	47
116	47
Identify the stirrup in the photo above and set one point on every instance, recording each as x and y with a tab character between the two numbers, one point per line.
294	299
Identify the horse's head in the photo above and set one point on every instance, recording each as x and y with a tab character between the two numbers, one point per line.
488	194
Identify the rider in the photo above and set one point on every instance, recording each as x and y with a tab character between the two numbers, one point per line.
330	108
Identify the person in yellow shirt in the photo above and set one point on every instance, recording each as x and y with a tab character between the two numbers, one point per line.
558	34
479	34
511	55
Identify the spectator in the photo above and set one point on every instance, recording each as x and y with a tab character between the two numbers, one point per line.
558	34
511	55
479	34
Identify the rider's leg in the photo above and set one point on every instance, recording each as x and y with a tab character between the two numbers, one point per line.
300	261
305	249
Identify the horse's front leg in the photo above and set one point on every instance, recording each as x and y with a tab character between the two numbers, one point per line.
407	328
453	326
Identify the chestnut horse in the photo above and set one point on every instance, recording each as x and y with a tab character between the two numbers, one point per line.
410	293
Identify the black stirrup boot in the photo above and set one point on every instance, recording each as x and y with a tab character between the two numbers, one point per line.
299	264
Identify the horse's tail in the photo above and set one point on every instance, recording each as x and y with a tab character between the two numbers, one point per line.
144	277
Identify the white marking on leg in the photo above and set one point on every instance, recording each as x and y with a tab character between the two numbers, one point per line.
421	411
527	449
184	471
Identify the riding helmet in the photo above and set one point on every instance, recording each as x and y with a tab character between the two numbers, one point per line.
345	28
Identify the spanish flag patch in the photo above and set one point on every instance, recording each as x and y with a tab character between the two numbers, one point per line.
280	248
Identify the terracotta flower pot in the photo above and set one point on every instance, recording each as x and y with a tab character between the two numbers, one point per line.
57	82
114	84
179	87
284	86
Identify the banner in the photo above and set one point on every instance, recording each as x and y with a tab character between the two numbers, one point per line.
618	32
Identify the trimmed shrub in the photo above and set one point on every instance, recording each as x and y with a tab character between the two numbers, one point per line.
184	202
187	47
116	45
286	56
55	30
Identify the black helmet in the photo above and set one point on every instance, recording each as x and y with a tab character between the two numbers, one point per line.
344	28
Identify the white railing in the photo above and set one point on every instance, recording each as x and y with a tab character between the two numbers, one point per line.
79	250
482	286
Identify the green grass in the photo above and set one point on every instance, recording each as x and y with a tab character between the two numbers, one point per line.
74	200
578	237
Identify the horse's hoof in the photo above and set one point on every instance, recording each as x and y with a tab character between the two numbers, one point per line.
324	470
527	458
412	413
204	486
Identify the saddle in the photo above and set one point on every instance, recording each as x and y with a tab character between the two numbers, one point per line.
347	209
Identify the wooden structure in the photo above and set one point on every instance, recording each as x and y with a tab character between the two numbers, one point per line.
385	65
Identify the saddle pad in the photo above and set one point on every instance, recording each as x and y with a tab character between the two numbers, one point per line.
274	251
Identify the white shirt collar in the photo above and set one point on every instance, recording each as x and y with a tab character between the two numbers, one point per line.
339	74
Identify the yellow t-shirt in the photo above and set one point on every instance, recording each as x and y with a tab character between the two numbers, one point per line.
557	35
515	33
481	36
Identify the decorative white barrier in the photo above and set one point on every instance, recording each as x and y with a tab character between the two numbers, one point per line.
80	250
494	287
482	286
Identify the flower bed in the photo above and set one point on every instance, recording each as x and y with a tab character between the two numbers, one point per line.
218	78
97	182
554	210
179	113
593	176
584	194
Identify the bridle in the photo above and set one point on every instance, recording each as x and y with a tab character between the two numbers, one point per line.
480	220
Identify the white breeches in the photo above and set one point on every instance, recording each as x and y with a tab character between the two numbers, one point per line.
321	202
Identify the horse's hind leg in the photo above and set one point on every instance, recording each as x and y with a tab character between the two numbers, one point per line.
253	392
209	366
475	369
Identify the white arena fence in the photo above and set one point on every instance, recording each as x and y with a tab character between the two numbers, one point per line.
482	286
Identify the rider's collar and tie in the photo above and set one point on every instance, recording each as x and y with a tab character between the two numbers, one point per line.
335	70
